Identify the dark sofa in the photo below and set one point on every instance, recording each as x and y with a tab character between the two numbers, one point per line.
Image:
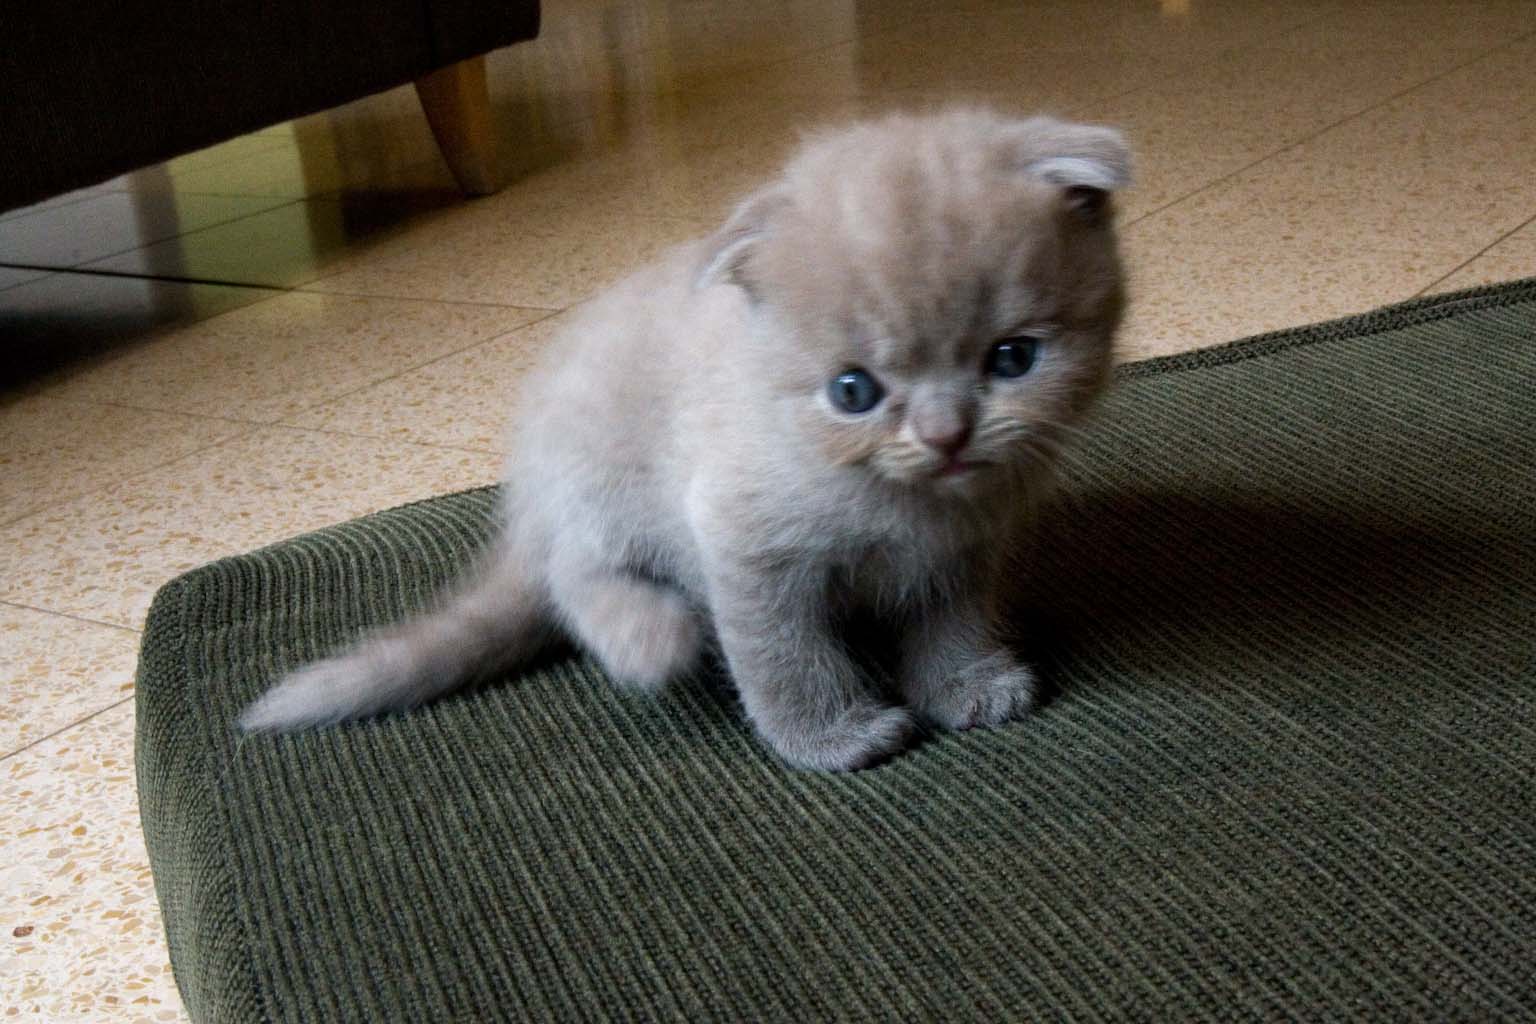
101	87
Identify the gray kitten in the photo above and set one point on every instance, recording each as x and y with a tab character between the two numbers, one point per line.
843	402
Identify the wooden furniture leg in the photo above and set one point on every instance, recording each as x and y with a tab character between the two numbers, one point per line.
458	107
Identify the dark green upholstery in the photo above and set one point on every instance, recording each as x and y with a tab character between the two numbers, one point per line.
1287	605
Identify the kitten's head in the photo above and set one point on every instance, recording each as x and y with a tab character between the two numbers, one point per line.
936	294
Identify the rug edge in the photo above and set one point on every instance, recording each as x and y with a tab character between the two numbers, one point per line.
1413	311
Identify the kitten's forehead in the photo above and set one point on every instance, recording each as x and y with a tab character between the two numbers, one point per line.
899	333
922	289
910	233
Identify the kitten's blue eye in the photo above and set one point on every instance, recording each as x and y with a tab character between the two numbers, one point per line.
1012	357
855	391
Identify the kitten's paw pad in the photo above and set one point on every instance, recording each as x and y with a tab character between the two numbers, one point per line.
862	737
651	641
984	699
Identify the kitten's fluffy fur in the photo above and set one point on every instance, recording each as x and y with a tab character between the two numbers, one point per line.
682	474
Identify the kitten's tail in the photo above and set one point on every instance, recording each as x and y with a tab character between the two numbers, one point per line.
494	623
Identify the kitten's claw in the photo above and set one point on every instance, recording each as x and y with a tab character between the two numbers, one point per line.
996	690
861	737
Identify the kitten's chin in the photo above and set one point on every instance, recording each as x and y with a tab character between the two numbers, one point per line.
962	480
957	477
934	474
956	469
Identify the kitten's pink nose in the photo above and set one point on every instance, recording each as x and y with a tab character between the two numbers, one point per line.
947	438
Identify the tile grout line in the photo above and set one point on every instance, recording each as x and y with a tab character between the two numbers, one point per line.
1330	127
72	617
697	226
27	211
308	288
434	445
209	227
256	426
63	729
132	407
55	503
284	421
548	315
286	199
1477	255
278	203
317	432
84	269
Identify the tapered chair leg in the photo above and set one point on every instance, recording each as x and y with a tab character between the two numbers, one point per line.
458	107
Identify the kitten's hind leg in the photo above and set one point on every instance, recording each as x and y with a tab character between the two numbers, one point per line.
642	632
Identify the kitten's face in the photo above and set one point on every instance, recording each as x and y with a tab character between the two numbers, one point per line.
937	317
985	408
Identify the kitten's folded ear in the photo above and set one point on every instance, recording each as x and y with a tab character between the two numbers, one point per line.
1088	161
728	251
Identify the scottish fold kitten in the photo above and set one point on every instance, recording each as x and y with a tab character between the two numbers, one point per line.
843	402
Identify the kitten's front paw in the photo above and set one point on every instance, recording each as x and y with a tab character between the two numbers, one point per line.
864	735
995	690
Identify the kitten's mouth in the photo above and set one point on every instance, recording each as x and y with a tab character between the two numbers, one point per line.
958	467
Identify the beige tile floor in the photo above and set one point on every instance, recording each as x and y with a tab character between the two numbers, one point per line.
306	324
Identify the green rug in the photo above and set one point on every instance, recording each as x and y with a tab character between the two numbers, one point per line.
1288	612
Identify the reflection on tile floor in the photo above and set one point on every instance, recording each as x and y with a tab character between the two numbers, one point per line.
285	355
61	323
66	236
306	323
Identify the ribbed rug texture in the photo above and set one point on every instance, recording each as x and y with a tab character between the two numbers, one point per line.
1286	607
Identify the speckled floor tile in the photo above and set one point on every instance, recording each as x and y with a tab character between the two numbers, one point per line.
52	451
1169	31
82	933
285	355
464	400
717	40
1515	257
1033	78
505	261
1282	202
1189	296
55	671
102	557
1426	172
1452	25
1186	140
